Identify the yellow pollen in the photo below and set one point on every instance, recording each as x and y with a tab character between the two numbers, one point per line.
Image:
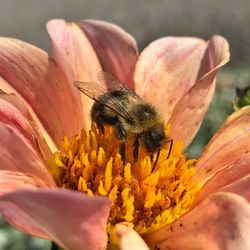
91	163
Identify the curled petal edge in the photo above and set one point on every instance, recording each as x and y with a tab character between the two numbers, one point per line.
219	222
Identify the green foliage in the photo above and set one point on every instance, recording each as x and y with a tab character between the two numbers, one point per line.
242	98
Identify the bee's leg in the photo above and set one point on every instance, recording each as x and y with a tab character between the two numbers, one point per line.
123	151
136	147
122	135
100	124
170	147
151	155
101	129
156	160
98	116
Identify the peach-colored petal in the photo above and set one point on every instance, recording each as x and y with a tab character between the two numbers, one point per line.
12	180
12	116
220	222
167	69
231	174
43	85
74	53
240	187
44	140
228	147
116	49
14	112
190	110
129	239
73	220
17	154
20	220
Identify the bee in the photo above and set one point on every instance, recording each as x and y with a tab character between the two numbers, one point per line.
131	116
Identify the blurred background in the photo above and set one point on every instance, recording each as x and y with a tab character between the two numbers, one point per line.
146	20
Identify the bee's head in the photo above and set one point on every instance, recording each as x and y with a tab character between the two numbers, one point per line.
154	139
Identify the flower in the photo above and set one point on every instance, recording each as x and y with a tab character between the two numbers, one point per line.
177	75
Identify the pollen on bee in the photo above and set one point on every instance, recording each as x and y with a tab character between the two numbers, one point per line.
91	163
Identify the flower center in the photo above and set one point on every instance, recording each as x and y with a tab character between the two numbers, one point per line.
91	163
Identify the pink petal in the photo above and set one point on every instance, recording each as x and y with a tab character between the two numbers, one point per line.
167	69
129	238
74	53
230	175
12	116
71	219
43	85
229	147
240	187
190	110
12	180
14	112
221	222
116	49
17	154
20	220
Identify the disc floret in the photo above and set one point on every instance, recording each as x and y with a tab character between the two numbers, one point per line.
91	163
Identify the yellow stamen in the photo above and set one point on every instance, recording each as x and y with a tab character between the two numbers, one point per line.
127	172
91	163
108	175
113	194
101	189
82	185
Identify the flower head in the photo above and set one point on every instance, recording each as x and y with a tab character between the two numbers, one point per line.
61	182
147	198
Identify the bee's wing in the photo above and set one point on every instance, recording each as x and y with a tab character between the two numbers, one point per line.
113	83
91	89
94	90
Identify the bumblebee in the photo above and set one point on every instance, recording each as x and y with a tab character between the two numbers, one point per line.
130	115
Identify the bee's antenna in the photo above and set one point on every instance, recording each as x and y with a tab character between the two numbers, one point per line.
157	158
171	141
170	147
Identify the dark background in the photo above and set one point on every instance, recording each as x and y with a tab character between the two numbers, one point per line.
146	20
